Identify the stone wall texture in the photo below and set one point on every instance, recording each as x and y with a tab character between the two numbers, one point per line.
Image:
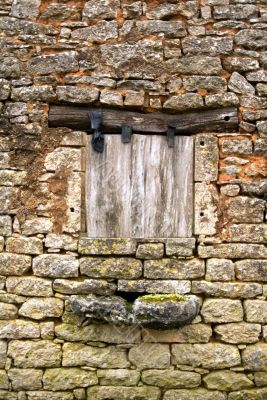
149	56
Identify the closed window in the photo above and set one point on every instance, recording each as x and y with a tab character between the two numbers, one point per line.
140	189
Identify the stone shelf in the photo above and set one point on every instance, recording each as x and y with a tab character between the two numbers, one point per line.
157	311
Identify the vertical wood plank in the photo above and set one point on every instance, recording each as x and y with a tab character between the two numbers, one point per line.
137	186
184	167
108	189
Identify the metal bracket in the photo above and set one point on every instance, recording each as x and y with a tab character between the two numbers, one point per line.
126	133
170	136
98	140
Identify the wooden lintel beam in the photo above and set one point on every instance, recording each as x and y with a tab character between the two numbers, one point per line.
216	120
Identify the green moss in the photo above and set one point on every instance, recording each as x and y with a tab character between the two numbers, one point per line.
162	298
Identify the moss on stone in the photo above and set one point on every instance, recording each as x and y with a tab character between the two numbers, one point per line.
162	298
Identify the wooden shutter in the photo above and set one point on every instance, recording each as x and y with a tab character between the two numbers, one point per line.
141	189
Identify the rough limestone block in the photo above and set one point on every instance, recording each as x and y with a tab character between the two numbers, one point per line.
149	355
19	329
87	286
14	264
8	202
255	102
233	250
74	204
132	10
118	377
36	225
25	379
140	54
220	270
62	12
249	270
25	9
257	76
44	395
43	93
127	268
24	245
55	266
248	233
157	286
231	290
254	357
262	125
174	269
209	83
182	247
134	98
3	353
255	311
5	225
41	308
251	38
12	178
222	100
208	45
97	33
237	333
167	10
98	332
227	381
124	393
111	98
240	11
39	354
105	9
77	95
10	67
64	242
182	102
47	330
194	394
77	354
238	84
195	65
107	246
4	382
222	310
210	355
240	64
206	158
260	378
60	62
8	311
170	29
29	286
63	157
68	378
171	379
260	147
236	146
194	333
243	209
206	209
150	250
4	89
248	394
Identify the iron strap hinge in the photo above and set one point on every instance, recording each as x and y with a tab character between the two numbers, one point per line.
98	141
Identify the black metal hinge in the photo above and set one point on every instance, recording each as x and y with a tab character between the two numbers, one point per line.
98	141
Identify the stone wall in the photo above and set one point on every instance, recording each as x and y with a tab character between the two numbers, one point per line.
148	56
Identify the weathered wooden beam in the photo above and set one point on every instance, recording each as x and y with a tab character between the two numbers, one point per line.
217	120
